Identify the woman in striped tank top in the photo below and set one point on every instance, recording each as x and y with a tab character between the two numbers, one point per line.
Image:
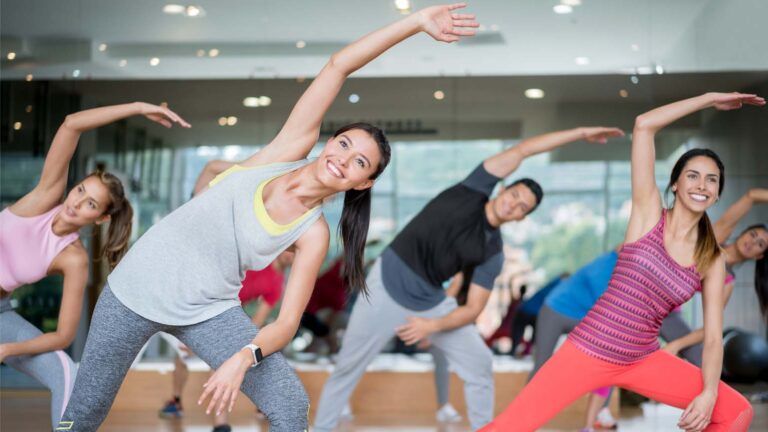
668	255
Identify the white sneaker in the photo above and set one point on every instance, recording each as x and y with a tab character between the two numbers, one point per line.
448	414
346	413
605	420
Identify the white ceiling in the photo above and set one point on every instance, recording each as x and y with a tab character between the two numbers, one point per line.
256	38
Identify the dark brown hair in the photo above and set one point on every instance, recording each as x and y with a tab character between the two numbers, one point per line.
121	218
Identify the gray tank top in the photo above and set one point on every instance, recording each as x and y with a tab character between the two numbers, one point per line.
187	268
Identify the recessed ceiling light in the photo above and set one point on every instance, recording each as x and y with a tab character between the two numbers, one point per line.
76	73
11	55
29	77
251	102
231	121
173	9
213	52
582	61
102	47
28	108
123	63
644	70
200	53
265	100
571	2
439	95
659	69
534	93
404	6
634	79
17	126
562	9
300	44
222	121
623	93
354	98
154	61
194	11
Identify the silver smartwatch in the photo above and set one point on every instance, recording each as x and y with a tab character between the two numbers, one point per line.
256	353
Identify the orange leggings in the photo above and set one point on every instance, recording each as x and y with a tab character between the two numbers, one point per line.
570	373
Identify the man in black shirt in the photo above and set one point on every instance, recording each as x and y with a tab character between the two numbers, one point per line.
458	231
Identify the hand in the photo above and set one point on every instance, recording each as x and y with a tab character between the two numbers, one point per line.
3	352
735	100
759	195
699	413
161	114
224	385
416	330
600	134
424	344
445	26
672	348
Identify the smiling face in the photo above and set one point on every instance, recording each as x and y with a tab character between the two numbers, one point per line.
349	160
753	243
698	186
86	203
514	203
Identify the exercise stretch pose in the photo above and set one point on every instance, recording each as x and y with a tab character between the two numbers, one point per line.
39	236
183	276
667	255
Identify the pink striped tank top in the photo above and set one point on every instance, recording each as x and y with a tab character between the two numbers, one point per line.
647	284
28	247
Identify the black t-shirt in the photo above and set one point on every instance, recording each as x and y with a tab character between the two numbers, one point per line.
451	234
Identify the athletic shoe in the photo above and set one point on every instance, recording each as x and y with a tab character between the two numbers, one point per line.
172	409
346	413
605	420
448	414
222	428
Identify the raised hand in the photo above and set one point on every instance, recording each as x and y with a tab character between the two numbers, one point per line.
600	134
162	115
731	101
444	25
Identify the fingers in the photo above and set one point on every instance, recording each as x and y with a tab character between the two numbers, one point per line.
214	400
457	6
176	118
208	390
463	17
459	32
226	398
465	23
232	400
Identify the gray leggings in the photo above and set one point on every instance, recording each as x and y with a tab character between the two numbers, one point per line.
54	369
117	334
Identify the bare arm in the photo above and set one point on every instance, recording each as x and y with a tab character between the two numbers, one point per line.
727	223
302	129
224	384
420	328
209	172
53	179
73	263
455	286
699	411
646	200
506	162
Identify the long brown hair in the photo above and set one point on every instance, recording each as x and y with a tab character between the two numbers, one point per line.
707	248
121	218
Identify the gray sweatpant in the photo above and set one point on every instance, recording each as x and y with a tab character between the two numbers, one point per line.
442	376
53	369
117	334
373	324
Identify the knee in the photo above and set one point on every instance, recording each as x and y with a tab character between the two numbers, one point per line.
292	414
744	417
482	367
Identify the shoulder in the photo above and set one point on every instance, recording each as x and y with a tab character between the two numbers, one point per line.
73	258
317	234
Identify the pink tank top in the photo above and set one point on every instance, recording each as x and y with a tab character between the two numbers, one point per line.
28	246
647	284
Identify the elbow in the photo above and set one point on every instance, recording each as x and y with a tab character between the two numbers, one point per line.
63	340
70	123
336	65
643	123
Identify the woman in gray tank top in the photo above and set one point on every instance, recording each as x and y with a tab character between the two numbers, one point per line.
183	275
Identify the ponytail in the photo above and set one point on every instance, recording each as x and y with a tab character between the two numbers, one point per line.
353	227
707	250
121	219
761	274
356	214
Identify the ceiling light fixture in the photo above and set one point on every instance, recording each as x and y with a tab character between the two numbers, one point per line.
635	80
76	73
154	61
300	44
571	2
581	61
562	9
28	109
194	11
404	6
102	47
623	93
659	69
11	55
439	95
231	121
265	101
174	9
17	126
222	121
29	77
123	63
534	93
213	52
354	98
251	102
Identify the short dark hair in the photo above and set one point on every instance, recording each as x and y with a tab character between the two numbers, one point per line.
535	189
